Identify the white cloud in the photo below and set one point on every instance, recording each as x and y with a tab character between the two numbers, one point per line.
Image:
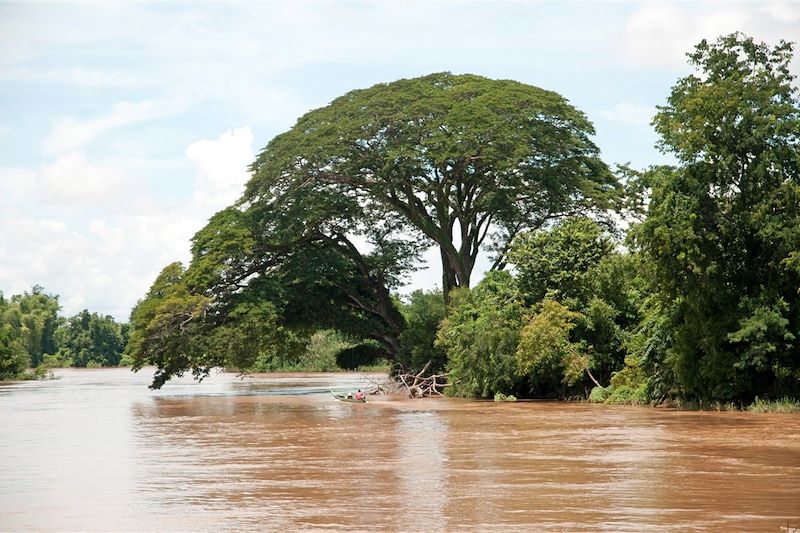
221	167
626	113
659	34
17	185
69	181
71	133
80	76
73	180
104	266
96	235
782	11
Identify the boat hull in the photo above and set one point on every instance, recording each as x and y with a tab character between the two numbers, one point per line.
344	398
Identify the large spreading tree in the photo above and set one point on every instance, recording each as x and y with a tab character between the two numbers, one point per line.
458	158
340	207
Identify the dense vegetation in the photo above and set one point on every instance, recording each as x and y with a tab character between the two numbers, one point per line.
699	301
34	335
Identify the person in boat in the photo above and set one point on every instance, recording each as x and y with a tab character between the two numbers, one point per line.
350	395
360	395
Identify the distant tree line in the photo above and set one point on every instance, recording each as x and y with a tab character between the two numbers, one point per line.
34	336
696	297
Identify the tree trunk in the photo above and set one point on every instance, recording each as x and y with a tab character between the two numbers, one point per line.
592	377
449	280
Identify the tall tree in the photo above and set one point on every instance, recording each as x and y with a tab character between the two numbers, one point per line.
558	263
456	157
480	336
574	265
33	316
13	358
423	313
340	207
89	339
724	226
259	273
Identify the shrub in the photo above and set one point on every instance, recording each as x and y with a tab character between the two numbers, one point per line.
626	395
599	394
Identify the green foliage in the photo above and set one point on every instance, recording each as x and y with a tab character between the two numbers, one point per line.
328	287
320	352
626	395
650	349
423	315
545	350
500	397
480	336
439	151
165	329
690	404
294	249
28	322
34	335
574	264
632	374
88	340
251	339
599	394
58	360
33	318
558	264
723	227
13	357
629	386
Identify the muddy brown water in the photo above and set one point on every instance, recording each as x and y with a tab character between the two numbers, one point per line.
96	450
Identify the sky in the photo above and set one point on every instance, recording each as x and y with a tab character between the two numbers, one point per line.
125	125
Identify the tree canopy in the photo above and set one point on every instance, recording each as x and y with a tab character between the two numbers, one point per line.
341	206
34	335
723	228
455	157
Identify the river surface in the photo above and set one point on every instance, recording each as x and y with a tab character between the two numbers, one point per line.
96	450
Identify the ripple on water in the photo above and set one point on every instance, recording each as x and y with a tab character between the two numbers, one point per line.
96	450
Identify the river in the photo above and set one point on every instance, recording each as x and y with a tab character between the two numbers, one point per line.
96	450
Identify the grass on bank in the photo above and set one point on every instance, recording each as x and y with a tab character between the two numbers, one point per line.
626	395
783	405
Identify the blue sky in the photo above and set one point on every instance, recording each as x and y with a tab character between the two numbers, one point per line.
125	125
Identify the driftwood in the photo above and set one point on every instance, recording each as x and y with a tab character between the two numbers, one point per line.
382	386
415	385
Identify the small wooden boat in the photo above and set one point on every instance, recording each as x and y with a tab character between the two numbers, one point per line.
343	398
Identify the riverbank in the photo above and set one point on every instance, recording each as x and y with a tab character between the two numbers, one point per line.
378	373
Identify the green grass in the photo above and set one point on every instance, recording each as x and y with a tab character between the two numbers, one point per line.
783	405
684	404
